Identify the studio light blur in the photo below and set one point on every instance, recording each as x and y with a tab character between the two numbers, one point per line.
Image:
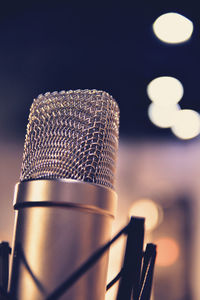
149	210
163	116
186	124
173	28
168	251
165	90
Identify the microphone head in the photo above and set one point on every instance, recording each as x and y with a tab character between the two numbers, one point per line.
72	135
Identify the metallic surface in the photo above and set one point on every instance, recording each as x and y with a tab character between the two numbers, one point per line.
66	193
74	135
59	224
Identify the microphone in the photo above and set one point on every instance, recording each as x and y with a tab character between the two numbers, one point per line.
65	201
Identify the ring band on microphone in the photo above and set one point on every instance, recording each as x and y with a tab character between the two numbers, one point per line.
66	193
84	208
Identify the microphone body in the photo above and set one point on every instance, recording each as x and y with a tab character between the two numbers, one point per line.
65	201
59	225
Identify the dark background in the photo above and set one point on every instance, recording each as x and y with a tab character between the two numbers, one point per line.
107	45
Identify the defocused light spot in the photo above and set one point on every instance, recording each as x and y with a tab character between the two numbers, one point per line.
165	90
147	209
167	251
162	116
173	28
187	124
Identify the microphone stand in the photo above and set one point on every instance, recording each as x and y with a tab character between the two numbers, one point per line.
5	250
135	276
129	283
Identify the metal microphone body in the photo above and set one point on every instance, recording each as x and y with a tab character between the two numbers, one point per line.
60	223
65	201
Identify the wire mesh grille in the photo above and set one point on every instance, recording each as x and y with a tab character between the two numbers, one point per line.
74	135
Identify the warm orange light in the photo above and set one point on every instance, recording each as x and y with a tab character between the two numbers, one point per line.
167	251
147	209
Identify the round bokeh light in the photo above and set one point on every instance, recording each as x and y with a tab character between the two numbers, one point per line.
149	210
162	116
186	124
165	90
168	251
173	28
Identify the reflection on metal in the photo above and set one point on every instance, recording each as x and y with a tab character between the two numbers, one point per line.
66	192
57	230
24	261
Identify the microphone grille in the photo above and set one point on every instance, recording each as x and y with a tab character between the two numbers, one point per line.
72	135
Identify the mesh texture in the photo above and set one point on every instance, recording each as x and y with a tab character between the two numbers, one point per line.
74	135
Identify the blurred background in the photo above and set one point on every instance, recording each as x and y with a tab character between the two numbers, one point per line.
146	55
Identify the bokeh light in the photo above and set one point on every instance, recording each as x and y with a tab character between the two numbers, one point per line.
165	90
187	124
173	28
168	251
162	116
147	209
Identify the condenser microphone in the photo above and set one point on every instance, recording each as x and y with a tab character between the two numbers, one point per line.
65	201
